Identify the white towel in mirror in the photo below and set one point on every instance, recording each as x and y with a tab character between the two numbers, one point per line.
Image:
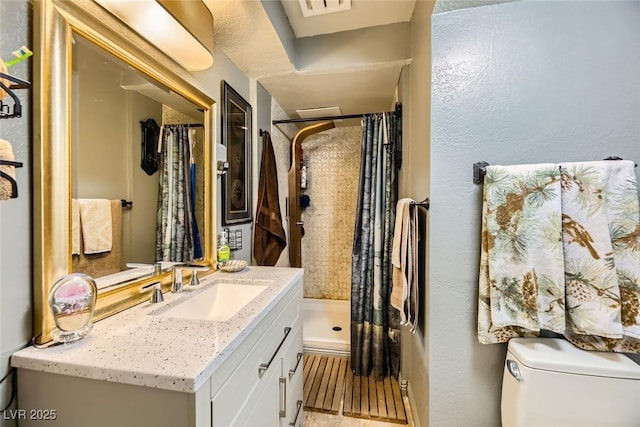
96	224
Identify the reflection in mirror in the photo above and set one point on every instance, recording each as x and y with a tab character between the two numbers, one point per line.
114	241
87	145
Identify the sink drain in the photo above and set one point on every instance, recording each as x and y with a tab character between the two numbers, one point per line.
337	328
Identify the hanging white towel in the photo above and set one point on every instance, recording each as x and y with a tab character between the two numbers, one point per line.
521	282
592	291
603	256
404	258
75	227
96	225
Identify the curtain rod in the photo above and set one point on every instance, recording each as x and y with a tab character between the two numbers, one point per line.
320	119
188	125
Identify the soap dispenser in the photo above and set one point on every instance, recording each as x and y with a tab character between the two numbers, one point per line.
224	251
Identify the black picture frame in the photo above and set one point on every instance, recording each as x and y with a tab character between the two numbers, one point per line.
236	137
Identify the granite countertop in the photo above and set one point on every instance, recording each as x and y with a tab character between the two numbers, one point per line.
139	347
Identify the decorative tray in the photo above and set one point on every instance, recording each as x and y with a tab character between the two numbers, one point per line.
233	265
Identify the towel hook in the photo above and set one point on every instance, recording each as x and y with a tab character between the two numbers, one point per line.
12	181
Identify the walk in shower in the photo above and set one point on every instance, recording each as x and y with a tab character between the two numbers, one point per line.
331	158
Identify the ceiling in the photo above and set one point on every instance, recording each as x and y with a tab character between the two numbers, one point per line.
351	59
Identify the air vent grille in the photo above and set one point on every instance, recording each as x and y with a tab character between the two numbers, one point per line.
321	7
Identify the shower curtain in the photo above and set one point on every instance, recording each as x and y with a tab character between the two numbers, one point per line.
175	221
375	330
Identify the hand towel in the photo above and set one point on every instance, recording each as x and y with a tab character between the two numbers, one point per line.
268	235
75	227
96	225
105	263
400	284
521	281
6	153
592	293
413	299
609	189
404	260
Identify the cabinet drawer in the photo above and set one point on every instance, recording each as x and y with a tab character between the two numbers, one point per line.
231	391
292	376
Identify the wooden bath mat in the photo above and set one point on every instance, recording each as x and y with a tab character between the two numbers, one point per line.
324	382
329	379
364	397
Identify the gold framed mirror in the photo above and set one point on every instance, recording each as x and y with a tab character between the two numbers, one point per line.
63	29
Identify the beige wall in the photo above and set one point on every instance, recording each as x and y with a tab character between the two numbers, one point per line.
106	162
333	159
415	93
139	222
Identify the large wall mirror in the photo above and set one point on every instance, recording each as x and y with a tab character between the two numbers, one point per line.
98	209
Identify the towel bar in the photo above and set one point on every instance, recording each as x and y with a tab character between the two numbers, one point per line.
479	169
425	203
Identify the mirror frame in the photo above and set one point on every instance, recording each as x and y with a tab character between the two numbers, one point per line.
55	22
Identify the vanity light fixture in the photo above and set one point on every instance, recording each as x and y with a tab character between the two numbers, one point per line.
181	29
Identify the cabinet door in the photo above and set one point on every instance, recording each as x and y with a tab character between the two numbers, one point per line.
291	412
261	408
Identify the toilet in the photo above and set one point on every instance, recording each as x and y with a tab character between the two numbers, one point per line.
548	382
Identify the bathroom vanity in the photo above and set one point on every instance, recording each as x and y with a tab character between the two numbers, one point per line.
176	364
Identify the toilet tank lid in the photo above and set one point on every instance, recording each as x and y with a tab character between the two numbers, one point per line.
558	355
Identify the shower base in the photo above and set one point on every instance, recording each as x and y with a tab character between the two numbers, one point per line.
326	326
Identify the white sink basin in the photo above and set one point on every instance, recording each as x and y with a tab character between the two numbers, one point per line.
219	303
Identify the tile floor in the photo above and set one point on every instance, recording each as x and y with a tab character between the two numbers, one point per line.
317	419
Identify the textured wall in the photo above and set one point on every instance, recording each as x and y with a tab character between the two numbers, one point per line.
225	69
15	219
333	159
521	82
414	182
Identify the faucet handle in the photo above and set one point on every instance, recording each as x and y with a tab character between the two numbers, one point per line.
195	281
156	292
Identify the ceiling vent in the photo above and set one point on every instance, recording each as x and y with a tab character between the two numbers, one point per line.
321	7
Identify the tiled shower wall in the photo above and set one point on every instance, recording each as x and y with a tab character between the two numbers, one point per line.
333	162
333	170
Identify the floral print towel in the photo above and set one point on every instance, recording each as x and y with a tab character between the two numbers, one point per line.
521	268
602	265
561	252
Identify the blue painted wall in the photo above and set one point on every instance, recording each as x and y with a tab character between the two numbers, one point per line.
521	82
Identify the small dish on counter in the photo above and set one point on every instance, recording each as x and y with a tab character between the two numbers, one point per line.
233	266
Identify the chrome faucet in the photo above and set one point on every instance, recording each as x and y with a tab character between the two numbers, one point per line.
177	285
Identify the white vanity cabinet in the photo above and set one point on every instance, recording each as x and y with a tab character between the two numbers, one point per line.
258	384
258	391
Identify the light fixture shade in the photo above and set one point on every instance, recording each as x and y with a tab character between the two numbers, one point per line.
181	29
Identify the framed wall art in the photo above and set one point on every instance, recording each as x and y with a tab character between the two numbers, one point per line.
236	136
